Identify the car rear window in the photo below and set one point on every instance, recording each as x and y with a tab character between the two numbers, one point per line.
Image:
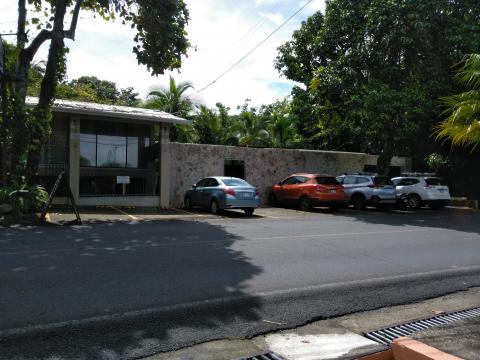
434	181
382	181
327	180
235	182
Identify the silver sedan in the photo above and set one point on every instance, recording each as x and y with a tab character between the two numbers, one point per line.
217	193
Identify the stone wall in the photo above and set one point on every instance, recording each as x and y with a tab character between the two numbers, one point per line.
263	167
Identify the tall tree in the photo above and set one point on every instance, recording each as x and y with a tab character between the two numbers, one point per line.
172	99
462	126
214	126
249	128
373	70
160	42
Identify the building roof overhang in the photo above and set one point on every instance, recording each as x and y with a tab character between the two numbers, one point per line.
139	115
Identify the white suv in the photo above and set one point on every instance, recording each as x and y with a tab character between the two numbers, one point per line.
426	189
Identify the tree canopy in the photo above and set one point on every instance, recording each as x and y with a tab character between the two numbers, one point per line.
160	41
373	71
462	126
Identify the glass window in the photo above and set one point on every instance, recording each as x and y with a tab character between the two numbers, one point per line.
408	182
211	182
111	151
290	181
235	182
326	180
382	181
361	180
434	181
202	183
88	150
348	180
301	179
132	152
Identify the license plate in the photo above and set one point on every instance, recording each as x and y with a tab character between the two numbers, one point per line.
244	195
333	191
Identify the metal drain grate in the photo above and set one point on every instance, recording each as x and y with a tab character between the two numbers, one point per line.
387	335
264	356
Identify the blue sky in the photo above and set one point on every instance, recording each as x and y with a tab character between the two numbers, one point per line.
222	30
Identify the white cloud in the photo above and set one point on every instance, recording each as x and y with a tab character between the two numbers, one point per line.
217	29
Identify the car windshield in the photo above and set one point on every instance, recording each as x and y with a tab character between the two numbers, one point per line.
382	181
434	181
327	180
235	182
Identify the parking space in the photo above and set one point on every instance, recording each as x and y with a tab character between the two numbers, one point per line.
125	214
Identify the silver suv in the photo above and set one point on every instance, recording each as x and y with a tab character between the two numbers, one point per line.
364	189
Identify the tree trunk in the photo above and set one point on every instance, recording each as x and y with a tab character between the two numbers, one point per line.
384	158
40	128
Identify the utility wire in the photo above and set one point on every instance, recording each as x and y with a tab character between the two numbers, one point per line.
254	28
255	48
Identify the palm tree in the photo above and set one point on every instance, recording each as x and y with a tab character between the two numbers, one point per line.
462	126
214	127
173	101
249	128
283	132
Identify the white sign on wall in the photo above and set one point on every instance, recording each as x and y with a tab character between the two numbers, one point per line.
123	179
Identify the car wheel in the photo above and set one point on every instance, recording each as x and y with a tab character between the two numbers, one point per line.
188	203
214	207
272	200
249	211
359	202
305	204
414	201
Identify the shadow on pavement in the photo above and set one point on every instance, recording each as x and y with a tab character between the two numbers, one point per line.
59	274
459	219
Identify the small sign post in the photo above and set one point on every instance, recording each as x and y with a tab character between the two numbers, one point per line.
124	180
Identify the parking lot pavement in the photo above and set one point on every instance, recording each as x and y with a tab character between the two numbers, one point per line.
122	214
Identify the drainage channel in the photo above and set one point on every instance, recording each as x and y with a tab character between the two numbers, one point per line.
264	356
386	336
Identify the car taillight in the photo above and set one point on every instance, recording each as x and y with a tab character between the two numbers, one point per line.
428	186
372	186
257	193
229	191
320	188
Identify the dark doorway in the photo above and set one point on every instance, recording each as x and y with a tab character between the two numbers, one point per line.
234	168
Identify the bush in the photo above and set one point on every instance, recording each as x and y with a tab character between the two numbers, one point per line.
32	201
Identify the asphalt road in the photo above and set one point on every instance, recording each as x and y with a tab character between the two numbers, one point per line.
128	289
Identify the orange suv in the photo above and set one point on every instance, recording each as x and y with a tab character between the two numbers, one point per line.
308	190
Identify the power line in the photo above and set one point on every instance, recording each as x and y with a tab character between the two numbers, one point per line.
254	28
255	48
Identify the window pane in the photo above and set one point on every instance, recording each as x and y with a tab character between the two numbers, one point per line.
235	182
382	181
87	149
112	151
132	152
434	181
326	180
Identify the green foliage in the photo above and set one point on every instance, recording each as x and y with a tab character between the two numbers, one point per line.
462	126
160	40
33	201
173	101
437	162
373	70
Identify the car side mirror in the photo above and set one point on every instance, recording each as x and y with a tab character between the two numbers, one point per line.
194	186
